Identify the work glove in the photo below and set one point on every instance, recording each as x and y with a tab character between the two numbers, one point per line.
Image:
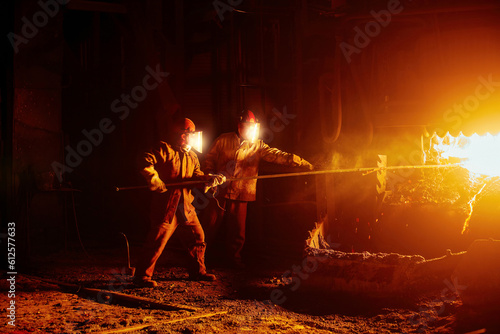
306	164
299	162
157	185
216	180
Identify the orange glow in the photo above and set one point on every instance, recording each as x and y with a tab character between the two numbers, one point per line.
478	154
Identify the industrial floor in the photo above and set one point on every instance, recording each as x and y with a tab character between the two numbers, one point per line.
54	294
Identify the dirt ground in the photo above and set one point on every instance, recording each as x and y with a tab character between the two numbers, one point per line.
238	302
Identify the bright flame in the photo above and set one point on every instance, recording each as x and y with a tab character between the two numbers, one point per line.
478	154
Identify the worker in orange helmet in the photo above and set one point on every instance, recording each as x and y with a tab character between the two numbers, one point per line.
237	155
172	208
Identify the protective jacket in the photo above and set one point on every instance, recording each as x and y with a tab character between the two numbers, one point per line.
236	158
169	164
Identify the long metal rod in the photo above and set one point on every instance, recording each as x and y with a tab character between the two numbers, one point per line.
113	297
365	170
185	183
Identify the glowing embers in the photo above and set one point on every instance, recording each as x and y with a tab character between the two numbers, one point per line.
478	154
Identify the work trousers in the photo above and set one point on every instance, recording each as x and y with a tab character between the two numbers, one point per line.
233	221
194	239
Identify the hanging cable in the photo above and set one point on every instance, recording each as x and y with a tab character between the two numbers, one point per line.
214	194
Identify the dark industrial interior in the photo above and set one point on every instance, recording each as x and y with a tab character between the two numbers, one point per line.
368	91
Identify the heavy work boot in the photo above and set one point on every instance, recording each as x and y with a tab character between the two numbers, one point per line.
197	270
144	282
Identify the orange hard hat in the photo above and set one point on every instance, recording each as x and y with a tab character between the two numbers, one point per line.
184	125
247	116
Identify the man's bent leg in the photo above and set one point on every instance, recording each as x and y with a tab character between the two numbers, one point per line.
155	244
